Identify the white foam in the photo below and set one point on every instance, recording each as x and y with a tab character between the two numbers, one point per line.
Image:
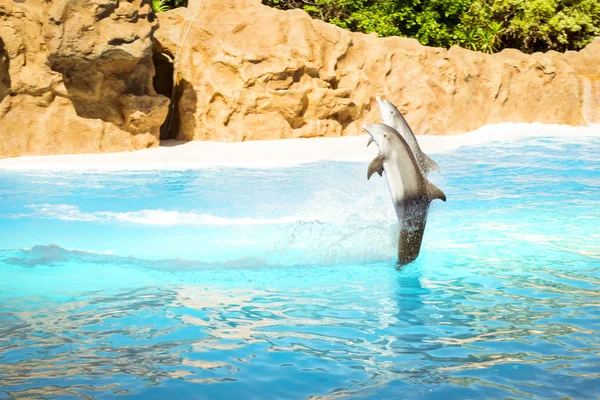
279	153
328	206
157	217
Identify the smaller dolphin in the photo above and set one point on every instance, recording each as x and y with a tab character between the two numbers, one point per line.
411	192
392	117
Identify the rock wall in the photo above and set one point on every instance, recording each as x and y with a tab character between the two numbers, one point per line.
76	77
248	71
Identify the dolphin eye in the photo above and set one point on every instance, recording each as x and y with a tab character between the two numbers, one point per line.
385	136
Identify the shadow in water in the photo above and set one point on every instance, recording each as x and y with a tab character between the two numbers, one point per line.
410	291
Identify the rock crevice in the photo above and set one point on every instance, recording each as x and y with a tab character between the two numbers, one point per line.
79	77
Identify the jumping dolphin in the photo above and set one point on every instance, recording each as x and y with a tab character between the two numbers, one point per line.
411	191
392	117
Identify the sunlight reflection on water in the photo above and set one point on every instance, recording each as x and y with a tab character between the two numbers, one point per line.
503	301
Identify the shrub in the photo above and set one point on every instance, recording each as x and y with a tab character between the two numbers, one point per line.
484	25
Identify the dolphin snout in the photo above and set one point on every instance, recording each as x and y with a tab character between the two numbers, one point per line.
372	131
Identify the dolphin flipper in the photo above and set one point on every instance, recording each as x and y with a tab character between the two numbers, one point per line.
376	166
434	192
430	164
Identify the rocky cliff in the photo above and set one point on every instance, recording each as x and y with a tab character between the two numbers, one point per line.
247	71
76	77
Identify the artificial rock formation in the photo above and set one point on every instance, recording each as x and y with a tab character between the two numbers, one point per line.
76	77
248	71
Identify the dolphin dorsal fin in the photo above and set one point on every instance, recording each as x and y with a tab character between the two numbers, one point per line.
430	164
376	166
434	192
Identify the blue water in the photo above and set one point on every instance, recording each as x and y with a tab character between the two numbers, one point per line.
282	284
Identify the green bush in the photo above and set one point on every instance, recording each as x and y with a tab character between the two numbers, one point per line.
165	5
484	25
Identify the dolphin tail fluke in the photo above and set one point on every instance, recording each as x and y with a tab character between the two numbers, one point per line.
375	166
430	164
434	192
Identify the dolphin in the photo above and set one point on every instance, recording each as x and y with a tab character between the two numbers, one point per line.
392	117
411	192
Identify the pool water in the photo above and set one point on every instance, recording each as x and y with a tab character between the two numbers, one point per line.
282	283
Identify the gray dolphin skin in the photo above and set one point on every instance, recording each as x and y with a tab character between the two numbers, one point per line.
411	192
392	117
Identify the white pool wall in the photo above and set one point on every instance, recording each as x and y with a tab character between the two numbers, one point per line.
173	155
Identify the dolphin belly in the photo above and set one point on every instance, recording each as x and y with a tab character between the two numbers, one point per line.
394	180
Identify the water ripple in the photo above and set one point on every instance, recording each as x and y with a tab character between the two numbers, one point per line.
504	301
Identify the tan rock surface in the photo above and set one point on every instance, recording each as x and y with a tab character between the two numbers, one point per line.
248	71
76	77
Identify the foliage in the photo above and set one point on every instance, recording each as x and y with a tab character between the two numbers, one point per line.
159	6
483	25
165	5
539	25
487	39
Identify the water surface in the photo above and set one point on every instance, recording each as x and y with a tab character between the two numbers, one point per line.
282	284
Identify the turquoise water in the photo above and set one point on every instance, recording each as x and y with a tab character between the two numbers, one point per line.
282	284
